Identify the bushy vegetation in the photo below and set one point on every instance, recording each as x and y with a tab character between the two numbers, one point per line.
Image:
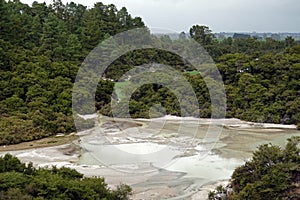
272	173
260	78
41	49
24	182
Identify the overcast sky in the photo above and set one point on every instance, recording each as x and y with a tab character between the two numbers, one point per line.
219	15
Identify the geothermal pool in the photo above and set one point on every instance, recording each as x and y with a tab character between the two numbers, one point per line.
173	157
164	158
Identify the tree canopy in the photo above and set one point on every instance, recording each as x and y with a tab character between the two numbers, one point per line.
25	182
41	48
272	173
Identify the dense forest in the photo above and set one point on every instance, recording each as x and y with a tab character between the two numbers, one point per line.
272	173
43	46
24	182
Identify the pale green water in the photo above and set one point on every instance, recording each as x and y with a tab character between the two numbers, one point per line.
234	146
177	146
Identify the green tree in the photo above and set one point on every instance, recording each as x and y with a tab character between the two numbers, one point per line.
289	41
53	38
202	34
57	183
271	174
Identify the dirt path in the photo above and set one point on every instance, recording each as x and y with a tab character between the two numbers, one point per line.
45	142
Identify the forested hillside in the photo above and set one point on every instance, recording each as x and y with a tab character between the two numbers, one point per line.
261	78
42	47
